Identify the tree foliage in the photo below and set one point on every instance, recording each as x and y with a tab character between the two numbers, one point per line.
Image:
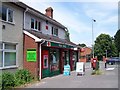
117	40
82	45
102	43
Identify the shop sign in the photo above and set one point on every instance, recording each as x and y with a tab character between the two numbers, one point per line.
60	45
31	55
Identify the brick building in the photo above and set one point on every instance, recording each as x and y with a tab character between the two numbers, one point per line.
85	54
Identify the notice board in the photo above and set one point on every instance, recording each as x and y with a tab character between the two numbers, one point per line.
80	67
31	55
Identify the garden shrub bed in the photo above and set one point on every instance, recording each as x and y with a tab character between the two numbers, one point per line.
10	80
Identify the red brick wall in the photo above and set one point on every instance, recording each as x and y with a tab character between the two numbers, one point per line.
29	43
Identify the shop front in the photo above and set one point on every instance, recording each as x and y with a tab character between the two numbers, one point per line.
55	56
46	58
50	62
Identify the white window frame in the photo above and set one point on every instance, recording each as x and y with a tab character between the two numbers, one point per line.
8	50
8	9
54	28
35	24
7	16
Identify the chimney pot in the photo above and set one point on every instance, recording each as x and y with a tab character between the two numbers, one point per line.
49	12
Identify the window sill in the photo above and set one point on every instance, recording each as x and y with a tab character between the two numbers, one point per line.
12	23
8	67
36	30
54	35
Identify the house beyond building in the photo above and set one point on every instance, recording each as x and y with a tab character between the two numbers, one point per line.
85	54
44	46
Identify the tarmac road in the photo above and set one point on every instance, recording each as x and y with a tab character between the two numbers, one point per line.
108	79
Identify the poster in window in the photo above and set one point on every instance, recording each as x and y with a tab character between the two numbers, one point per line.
45	58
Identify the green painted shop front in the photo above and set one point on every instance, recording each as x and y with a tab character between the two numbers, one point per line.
50	62
54	57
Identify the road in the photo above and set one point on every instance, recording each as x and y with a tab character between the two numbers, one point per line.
108	79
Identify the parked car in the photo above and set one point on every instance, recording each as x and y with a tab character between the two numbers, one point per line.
113	60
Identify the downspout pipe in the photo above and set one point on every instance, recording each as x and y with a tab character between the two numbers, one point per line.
25	16
40	67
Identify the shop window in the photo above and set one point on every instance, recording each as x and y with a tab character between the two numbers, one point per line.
54	59
45	58
6	14
66	57
7	55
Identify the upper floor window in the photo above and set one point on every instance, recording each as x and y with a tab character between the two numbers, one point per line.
6	14
54	31
35	24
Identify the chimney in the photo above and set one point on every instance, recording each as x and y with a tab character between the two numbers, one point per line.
49	12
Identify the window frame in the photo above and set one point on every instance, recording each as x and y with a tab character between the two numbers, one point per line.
7	16
3	56
8	9
53	32
38	27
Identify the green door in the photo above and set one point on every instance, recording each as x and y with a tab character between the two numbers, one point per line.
45	63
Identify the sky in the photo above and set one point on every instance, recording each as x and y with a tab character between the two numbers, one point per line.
77	16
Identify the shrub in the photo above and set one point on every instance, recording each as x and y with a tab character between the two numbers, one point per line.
22	76
8	80
0	81
96	72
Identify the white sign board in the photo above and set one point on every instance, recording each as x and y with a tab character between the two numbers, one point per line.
80	67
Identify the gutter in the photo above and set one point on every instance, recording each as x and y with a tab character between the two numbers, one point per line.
25	16
40	64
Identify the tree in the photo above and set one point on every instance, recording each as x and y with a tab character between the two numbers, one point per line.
82	45
104	44
117	40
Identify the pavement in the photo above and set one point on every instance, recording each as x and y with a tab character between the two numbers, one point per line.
108	79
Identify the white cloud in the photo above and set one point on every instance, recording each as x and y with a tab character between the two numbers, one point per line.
110	19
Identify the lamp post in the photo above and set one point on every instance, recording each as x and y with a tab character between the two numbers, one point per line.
93	20
106	53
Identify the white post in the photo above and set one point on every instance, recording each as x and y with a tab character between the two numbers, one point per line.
40	70
40	64
92	39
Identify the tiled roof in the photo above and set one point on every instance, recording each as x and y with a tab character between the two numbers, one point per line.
50	37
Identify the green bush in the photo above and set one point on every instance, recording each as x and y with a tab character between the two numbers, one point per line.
96	72
23	76
8	80
0	81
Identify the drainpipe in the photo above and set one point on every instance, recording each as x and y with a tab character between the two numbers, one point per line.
40	70
24	16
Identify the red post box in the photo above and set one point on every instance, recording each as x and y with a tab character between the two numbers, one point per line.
93	62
